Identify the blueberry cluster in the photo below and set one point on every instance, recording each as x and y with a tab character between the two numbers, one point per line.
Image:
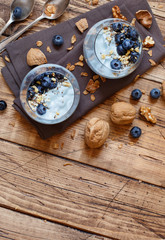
127	42
42	84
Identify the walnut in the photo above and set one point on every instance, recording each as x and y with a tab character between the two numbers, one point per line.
96	132
35	57
92	86
144	17
95	2
50	9
148	42
82	24
146	112
39	43
73	39
117	13
7	59
122	113
81	64
93	97
70	48
152	62
163	90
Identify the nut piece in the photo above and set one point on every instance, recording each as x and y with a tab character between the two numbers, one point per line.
122	113
82	24
144	17
7	59
152	62
35	57
117	13
96	132
92	86
39	43
95	2
50	9
148	42
146	112
163	90
73	39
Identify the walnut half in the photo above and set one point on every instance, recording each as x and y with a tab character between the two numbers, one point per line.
35	57
144	17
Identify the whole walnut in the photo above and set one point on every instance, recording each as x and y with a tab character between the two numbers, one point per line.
35	57
96	132
122	113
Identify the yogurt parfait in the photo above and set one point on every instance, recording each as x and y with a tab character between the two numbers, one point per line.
51	95
113	48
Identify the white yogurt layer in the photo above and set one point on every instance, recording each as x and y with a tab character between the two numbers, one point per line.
57	101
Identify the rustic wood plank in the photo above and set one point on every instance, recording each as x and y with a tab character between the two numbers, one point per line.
79	196
142	160
14	225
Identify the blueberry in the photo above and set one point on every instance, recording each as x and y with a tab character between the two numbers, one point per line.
127	44
59	76
155	93
134	57
40	89
121	50
45	82
119	38
53	84
30	93
17	12
135	132
117	27
58	40
136	44
133	34
136	94
126	31
116	64
3	105
41	109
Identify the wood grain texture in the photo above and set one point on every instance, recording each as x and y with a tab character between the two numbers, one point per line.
18	226
141	159
80	196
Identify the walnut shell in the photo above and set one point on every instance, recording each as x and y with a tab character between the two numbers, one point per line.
163	90
35	57
122	113
144	17
96	132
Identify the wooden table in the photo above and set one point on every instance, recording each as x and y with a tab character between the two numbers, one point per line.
59	188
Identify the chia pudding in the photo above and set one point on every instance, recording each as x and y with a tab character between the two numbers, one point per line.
113	48
50	95
118	46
